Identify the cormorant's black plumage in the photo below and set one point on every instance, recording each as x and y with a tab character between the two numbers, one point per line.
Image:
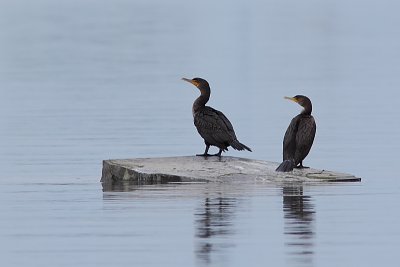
299	136
212	124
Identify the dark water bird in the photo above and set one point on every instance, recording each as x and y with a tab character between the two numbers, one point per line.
212	124
299	136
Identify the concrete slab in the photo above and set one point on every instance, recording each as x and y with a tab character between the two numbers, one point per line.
211	169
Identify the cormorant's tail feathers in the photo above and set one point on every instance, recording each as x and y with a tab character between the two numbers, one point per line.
239	146
286	166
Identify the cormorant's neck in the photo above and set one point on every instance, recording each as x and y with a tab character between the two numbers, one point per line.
307	109
202	100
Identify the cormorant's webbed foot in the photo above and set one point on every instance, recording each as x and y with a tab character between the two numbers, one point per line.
300	166
204	155
219	153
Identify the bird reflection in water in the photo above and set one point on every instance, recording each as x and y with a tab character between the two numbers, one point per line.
214	220
299	218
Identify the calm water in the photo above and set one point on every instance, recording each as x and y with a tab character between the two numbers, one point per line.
83	81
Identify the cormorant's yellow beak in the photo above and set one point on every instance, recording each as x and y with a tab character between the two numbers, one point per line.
191	81
291	98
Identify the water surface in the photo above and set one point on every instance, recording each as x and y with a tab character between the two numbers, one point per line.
83	81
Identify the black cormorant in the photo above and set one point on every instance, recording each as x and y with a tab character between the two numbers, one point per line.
299	136
212	124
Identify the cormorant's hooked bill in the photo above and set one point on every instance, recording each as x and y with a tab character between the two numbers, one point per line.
291	98
189	81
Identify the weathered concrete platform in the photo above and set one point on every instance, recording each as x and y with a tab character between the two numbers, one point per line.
211	169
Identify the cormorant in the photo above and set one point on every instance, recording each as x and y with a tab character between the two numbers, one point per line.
299	136
212	124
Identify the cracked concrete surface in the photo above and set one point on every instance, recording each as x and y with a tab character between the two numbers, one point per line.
211	169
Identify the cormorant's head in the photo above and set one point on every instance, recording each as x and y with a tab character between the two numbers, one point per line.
199	83
303	101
